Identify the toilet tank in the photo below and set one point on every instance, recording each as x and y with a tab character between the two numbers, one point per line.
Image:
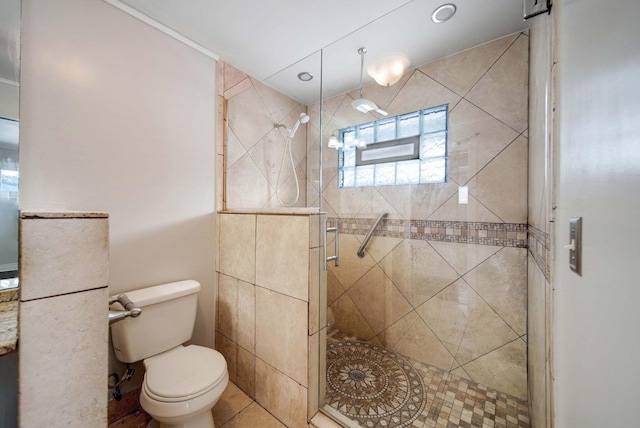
167	320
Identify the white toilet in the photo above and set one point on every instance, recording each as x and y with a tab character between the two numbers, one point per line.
181	383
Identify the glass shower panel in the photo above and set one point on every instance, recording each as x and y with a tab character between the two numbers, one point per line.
419	299
279	102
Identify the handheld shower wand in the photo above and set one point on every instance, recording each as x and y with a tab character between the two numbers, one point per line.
304	118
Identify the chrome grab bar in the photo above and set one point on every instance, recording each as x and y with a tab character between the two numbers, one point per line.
334	258
382	215
130	309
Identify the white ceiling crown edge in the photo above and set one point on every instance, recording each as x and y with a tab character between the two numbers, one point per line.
161	27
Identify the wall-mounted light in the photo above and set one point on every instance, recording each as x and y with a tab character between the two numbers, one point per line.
388	70
334	143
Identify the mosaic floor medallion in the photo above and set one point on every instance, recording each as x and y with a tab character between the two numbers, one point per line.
373	385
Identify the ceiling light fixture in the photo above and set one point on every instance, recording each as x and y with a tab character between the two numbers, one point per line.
443	13
362	104
305	76
388	70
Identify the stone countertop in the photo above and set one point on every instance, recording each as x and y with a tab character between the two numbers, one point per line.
8	321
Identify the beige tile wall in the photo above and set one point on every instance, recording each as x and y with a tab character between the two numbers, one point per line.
460	307
254	147
63	325
269	325
486	90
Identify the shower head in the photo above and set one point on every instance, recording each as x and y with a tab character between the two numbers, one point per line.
304	118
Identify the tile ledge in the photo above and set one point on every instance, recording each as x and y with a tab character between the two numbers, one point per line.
275	211
62	214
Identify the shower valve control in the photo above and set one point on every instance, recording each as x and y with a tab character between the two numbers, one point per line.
575	246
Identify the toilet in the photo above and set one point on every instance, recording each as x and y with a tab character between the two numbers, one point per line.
181	383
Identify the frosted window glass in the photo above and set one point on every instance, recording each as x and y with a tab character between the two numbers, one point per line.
408	172
349	157
433	145
349	138
366	133
396	162
385	174
433	170
434	121
364	176
386	129
349	177
409	125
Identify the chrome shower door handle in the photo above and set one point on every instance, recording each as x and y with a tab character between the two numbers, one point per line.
334	258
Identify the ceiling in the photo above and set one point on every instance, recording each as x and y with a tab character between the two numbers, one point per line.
274	41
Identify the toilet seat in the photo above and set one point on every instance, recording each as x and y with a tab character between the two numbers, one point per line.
183	373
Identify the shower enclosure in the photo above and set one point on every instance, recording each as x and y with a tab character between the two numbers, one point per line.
437	304
429	321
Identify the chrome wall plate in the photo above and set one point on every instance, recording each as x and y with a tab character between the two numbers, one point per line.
575	246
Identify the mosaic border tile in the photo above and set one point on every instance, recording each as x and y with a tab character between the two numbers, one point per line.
480	233
539	248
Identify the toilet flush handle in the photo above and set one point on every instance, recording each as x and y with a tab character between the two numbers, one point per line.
130	308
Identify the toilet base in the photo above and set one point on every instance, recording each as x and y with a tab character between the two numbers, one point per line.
205	420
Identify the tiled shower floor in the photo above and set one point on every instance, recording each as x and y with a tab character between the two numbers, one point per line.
445	400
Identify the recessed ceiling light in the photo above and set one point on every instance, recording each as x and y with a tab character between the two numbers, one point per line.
443	13
305	76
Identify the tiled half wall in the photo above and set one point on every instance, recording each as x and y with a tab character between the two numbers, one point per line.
63	329
270	328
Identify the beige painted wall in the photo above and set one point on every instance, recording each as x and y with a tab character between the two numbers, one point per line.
598	175
118	117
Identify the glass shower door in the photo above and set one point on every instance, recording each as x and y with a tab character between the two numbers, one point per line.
436	301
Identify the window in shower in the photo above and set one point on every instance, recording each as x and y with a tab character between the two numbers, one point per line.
406	149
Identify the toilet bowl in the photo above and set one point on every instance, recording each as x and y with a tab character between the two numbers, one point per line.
181	383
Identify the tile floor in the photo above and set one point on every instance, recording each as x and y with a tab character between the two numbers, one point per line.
451	401
237	410
234	410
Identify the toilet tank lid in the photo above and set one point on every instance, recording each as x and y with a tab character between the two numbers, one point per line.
160	293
